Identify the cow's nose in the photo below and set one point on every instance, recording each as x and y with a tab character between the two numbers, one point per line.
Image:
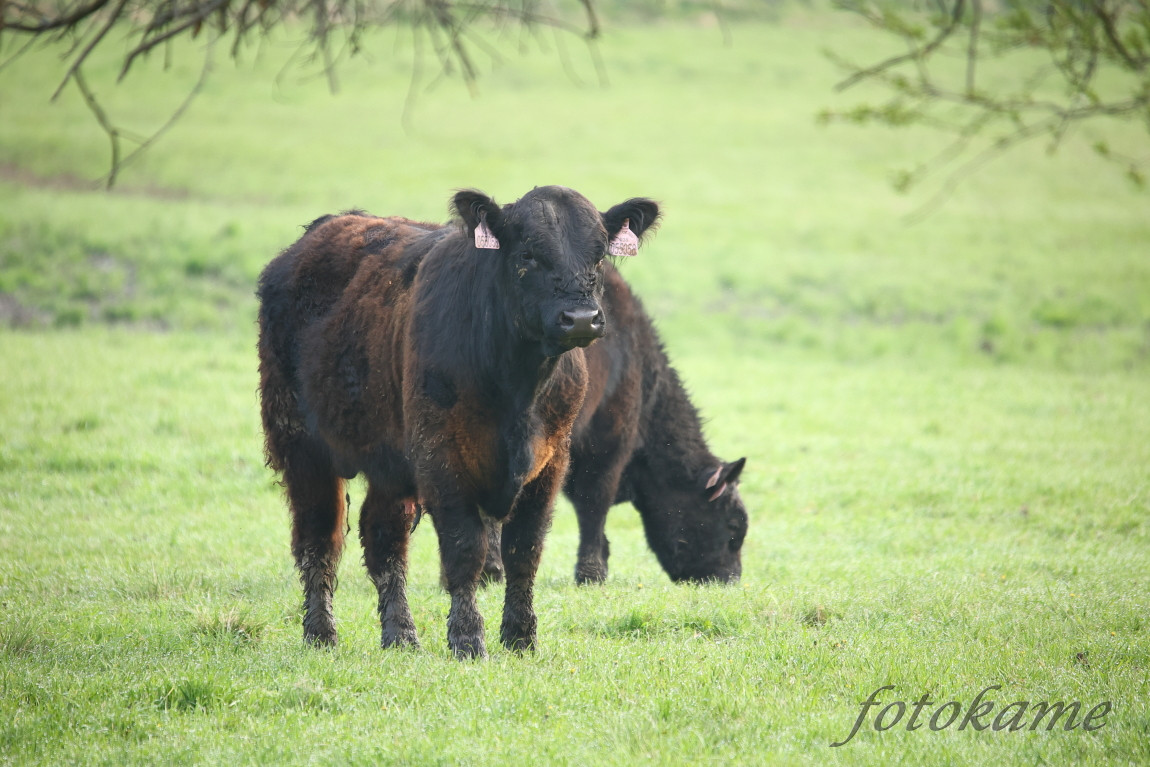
579	324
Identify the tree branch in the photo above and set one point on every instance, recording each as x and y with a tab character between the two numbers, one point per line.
1107	19
102	119
972	45
916	53
84	27
79	60
49	24
199	15
173	118
1098	49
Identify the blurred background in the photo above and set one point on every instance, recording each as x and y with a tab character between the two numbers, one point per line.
787	218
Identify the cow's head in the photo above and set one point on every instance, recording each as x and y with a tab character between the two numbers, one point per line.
697	525
552	243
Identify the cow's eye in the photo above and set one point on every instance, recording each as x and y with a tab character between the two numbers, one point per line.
527	257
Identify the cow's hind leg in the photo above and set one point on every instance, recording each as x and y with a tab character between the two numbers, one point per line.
384	528
319	515
493	562
522	546
462	550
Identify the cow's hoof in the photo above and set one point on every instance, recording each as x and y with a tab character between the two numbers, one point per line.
468	649
326	638
587	573
399	638
520	644
518	630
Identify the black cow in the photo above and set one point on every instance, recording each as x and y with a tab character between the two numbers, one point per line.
445	363
638	438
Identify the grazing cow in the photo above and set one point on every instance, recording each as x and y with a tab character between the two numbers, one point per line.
638	439
445	363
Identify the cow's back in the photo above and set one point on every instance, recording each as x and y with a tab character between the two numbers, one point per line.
342	287
303	284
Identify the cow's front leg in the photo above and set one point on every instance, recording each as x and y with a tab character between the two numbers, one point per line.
462	548
592	486
384	527
522	545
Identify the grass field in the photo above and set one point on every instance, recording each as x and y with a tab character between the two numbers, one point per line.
945	423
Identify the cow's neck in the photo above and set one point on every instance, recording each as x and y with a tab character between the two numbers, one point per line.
474	333
524	372
674	447
514	397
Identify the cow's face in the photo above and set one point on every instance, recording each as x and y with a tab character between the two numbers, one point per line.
552	243
705	539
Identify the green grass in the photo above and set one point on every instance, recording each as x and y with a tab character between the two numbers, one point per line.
940	530
945	424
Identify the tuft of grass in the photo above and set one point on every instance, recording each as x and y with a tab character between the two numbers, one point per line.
815	616
633	623
190	694
234	623
22	640
306	696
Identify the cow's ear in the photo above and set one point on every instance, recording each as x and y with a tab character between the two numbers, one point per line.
477	210
638	214
725	475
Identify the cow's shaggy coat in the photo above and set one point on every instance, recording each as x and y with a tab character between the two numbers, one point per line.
449	375
638	438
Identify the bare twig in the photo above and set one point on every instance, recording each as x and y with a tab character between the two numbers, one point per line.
102	118
416	78
1137	63
335	30
592	19
174	117
917	52
18	53
77	62
972	44
50	23
198	16
972	166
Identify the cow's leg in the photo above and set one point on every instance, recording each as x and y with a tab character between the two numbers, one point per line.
522	546
384	528
594	549
493	562
316	497
462	549
592	486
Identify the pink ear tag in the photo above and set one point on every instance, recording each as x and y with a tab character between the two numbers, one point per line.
484	238
625	243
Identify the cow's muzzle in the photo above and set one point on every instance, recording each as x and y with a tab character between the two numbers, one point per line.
579	327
